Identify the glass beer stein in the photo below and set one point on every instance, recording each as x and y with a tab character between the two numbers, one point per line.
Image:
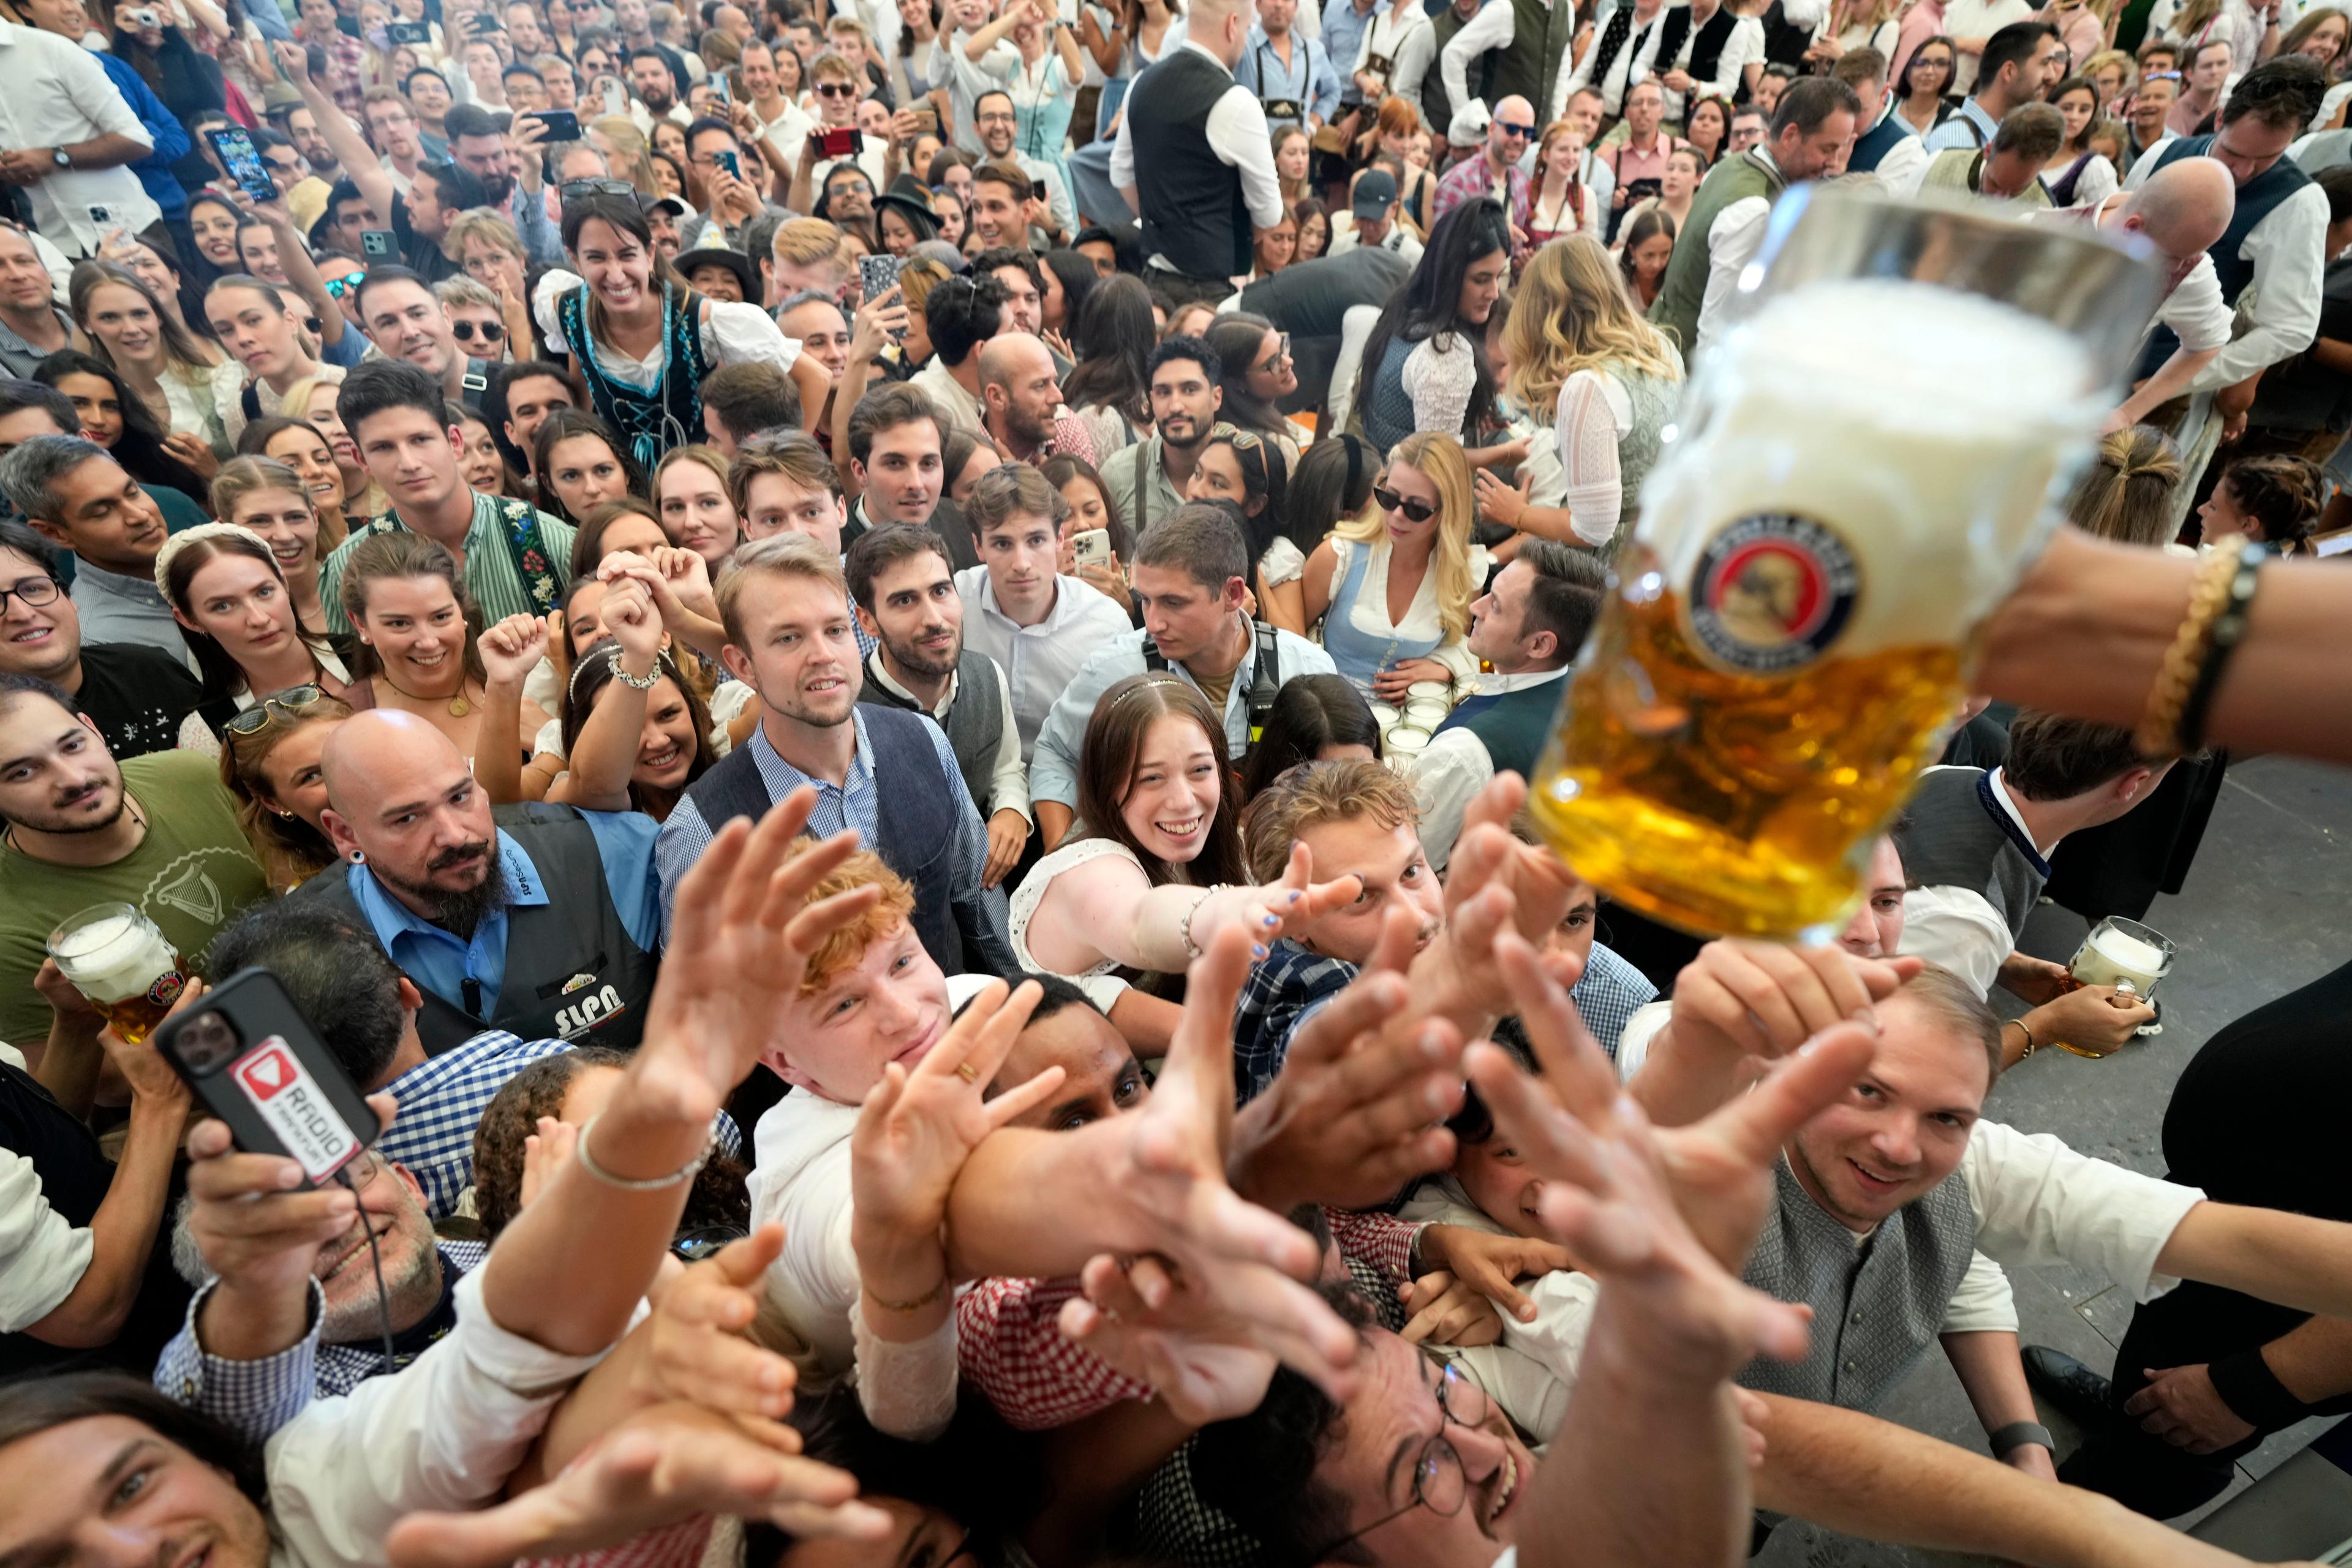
122	963
1864	464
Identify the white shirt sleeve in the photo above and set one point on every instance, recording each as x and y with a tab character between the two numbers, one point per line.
1445	778
1493	27
2196	311
1595	414
1441	382
1122	155
2097	182
1900	170
1983	1304
1731	244
2288	249
1238	136
1957	928
1008	776
42	1258
2037	1202
1413	57
1746	46
737	331
441	1433
1633	1043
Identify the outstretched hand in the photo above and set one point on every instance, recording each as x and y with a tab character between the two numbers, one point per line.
1153	1326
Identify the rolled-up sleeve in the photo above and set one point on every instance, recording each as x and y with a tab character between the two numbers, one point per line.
42	1257
2038	1202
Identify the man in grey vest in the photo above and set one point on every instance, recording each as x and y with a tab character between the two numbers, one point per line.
538	920
1195	159
1977	845
1527	626
905	590
790	637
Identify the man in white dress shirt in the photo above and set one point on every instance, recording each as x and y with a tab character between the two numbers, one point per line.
1622	53
1711	59
68	137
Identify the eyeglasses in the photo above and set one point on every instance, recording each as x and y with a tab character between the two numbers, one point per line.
1417	511
573	190
32	590
1439	1484
837	89
1280	357
289	705
1507	129
463	331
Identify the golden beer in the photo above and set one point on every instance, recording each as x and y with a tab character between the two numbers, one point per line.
122	965
1861	468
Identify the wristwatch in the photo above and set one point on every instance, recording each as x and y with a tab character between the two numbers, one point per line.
2018	1435
58	155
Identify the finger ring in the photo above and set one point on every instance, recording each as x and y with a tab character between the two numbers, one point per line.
967	1072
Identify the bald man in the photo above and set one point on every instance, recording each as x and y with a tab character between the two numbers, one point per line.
1019	396
538	920
2181	211
1495	171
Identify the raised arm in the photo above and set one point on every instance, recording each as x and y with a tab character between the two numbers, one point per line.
352	149
607	751
510	650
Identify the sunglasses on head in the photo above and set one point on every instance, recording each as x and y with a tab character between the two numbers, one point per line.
1415	510
463	331
573	190
286	704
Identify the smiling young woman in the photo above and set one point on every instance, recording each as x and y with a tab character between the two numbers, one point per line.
231	599
418	646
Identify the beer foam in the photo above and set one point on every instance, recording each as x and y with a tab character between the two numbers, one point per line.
2127	952
1926	427
113	958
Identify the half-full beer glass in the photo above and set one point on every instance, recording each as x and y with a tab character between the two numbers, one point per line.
123	964
1864	464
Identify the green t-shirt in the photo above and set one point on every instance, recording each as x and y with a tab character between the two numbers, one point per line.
190	875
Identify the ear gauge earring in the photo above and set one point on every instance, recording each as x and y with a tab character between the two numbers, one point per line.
359	856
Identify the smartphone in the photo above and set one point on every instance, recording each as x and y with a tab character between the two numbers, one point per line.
927	120
840	143
379	243
1091	548
726	159
254	1061
144	16
482	22
1037	190
718	85
616	99
562	125
878	274
238	154
411	32
100	218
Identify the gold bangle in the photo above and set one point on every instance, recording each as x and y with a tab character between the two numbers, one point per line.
2030	1043
918	1304
2158	732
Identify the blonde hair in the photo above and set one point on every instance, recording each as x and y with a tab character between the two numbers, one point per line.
242	476
777	555
2125	494
806	242
1316	793
296	403
630	160
482	223
1441	457
1572	313
918	278
2102	60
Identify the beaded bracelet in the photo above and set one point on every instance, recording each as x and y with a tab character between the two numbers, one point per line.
2229	630
2158	732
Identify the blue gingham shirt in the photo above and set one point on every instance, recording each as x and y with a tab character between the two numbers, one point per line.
441	1102
1291	984
255	1398
855	803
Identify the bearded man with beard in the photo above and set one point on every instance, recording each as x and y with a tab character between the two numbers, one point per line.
904	587
536	918
503	152
78	828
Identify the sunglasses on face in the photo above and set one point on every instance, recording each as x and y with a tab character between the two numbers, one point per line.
1415	510
287	704
837	89
463	331
1508	129
339	287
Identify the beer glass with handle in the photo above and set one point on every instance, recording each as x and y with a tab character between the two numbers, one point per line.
122	963
1863	465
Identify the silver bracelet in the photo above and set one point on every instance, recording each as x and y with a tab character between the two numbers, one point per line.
588	1163
1184	926
651	679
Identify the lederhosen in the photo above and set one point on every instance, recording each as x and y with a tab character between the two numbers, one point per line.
1265	680
670	416
1281	109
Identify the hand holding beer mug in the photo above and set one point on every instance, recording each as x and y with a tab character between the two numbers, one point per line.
1863	465
118	959
2127	956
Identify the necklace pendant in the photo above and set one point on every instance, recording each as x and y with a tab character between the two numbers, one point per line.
460	708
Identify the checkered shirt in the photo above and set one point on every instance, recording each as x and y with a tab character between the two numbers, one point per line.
1279	993
441	1102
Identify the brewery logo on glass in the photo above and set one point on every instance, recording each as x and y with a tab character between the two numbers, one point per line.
290	1101
1773	592
167	988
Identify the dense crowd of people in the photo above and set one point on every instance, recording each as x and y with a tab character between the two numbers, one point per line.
935	894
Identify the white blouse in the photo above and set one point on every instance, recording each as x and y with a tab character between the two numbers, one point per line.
1441	382
1592	416
1370	613
733	331
1282	562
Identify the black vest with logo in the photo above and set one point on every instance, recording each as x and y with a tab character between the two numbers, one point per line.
915	819
573	970
1193	211
2257	199
975	722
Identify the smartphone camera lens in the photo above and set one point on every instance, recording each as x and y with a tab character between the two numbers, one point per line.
205	1043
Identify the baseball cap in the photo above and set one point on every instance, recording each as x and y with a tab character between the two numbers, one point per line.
1374	191
1470	122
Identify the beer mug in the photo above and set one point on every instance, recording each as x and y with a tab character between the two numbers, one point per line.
1862	466
2122	952
122	963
